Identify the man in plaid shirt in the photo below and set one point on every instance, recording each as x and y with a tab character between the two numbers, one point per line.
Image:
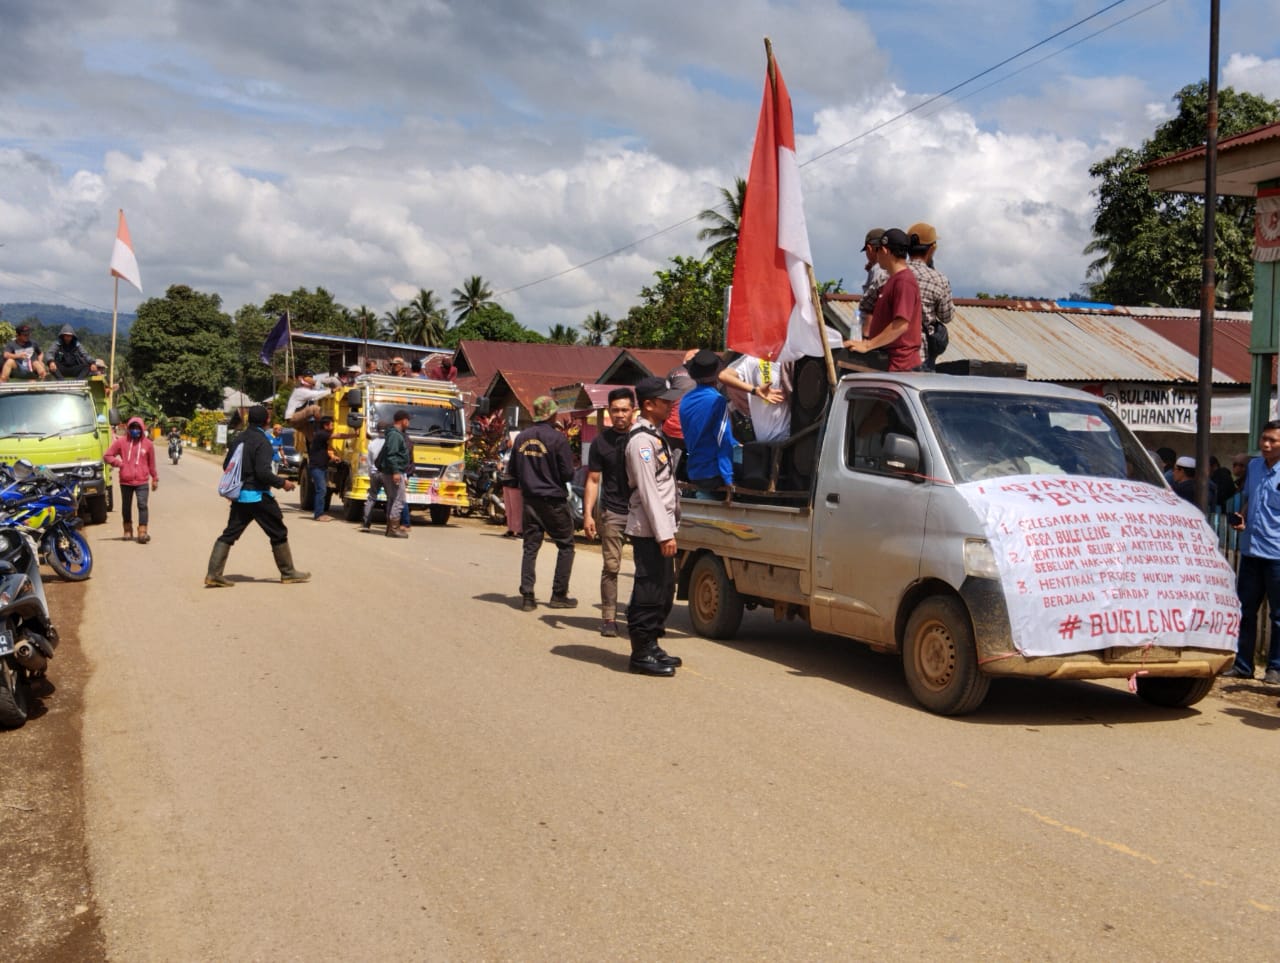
935	290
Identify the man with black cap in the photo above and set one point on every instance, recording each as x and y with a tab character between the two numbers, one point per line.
936	304
708	433
652	520
22	356
542	465
875	278
896	320
255	503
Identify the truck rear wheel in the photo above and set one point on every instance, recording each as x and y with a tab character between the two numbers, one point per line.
352	510
306	497
715	607
97	506
940	660
1173	693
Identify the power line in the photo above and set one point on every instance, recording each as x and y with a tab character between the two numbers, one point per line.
866	133
70	297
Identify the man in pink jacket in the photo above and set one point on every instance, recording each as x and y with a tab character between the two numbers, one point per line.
134	458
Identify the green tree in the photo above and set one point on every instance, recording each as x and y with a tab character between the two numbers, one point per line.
474	294
1148	246
562	334
182	349
597	325
723	220
315	311
396	324
254	378
364	322
683	308
490	323
429	317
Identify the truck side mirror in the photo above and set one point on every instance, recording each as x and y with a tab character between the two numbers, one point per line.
355	398
901	454
354	418
113	416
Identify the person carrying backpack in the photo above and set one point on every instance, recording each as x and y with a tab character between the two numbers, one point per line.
254	503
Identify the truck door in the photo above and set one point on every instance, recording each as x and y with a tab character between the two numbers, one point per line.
869	520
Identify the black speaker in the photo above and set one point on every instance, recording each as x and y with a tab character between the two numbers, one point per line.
810	391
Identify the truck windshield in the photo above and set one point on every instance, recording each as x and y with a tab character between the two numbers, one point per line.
431	421
47	413
994	435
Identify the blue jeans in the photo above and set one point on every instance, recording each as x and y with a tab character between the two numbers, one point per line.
320	483
1259	578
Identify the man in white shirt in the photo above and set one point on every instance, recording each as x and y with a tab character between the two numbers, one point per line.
769	385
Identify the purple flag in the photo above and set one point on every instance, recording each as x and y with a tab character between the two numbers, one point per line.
276	339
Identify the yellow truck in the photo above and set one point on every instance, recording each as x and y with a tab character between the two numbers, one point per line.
437	434
62	426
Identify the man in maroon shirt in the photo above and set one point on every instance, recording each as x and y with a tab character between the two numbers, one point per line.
896	321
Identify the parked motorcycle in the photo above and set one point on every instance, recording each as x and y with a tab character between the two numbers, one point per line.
175	449
27	636
484	494
41	503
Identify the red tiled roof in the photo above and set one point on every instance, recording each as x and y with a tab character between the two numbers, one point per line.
1255	136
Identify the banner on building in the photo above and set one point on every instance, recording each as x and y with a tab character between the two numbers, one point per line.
1266	225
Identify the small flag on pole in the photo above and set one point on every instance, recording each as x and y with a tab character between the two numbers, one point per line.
123	262
276	340
771	314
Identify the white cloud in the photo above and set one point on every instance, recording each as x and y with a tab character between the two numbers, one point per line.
1246	72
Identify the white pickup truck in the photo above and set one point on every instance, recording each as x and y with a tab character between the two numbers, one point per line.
981	527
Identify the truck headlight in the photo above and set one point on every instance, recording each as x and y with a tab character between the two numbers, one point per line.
453	473
979	559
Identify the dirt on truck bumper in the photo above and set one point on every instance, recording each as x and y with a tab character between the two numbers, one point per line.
997	656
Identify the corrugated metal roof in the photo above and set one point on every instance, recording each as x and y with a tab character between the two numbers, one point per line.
1114	344
1255	136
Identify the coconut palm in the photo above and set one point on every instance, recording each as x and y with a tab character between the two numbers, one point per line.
723	221
597	325
364	321
474	293
429	317
397	324
562	334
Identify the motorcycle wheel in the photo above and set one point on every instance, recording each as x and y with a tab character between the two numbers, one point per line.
13	694
174	458
69	556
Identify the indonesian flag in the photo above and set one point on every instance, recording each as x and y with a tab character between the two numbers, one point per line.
123	263
771	312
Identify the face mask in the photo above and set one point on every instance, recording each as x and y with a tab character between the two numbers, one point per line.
135	433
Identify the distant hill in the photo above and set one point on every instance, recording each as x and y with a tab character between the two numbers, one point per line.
56	315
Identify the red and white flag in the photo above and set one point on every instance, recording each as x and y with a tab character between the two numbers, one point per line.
771	311
124	264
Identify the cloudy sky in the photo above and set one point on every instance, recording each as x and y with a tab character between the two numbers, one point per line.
375	148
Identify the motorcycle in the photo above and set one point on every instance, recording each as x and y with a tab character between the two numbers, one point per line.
27	636
484	494
175	449
41	503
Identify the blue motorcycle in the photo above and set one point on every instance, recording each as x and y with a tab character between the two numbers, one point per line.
27	635
42	504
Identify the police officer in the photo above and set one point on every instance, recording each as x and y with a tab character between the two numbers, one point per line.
652	520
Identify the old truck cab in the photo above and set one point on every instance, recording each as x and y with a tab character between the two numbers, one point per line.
979	527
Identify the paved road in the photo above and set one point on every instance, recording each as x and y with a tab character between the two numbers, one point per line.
394	762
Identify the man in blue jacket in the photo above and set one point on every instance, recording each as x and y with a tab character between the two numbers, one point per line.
708	435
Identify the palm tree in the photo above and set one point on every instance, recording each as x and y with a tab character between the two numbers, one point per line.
429	315
562	334
597	325
364	322
474	293
397	324
723	221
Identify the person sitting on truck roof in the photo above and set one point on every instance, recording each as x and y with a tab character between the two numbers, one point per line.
69	359
302	407
896	322
22	356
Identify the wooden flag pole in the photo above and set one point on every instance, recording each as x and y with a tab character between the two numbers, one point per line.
111	367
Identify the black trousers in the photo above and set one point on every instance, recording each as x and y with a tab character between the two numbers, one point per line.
266	513
653	593
547	518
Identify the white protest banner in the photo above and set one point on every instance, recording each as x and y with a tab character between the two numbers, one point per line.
1091	563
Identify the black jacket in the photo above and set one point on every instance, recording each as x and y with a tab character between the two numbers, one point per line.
542	461
255	463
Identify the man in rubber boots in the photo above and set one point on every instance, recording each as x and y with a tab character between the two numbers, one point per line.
255	503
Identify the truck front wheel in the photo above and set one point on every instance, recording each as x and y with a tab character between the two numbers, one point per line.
97	506
440	514
715	607
940	660
1173	693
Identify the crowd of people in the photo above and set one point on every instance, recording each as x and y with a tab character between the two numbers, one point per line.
24	360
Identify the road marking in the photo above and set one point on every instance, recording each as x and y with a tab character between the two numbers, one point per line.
1075	831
